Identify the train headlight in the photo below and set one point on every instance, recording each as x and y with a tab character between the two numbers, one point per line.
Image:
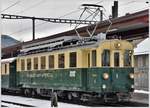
131	75
118	44
132	86
105	76
104	86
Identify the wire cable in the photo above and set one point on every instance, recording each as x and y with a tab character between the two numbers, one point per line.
14	4
31	7
130	2
39	25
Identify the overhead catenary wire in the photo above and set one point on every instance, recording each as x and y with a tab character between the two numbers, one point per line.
39	25
31	7
12	5
126	3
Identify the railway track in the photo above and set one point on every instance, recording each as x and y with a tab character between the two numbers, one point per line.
88	104
119	104
15	104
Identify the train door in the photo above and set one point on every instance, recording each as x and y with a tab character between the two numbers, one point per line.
12	78
118	77
116	59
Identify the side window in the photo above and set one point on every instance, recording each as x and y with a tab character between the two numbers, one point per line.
22	65
88	59
51	61
43	62
116	59
61	60
73	60
127	58
35	63
106	57
5	68
94	58
28	64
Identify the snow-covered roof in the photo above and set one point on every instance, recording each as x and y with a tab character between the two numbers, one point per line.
143	47
8	60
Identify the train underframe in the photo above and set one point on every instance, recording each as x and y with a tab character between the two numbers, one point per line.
78	95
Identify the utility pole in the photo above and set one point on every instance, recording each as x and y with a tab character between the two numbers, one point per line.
53	20
33	28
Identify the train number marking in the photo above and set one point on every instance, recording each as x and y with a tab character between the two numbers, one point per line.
72	73
117	76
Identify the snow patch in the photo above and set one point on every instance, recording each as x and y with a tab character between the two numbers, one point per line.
142	91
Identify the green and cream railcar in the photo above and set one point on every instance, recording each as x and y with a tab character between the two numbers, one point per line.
8	74
99	69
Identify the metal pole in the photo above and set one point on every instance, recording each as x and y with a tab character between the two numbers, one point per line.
33	28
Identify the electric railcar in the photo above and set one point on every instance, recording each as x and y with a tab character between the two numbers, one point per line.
103	70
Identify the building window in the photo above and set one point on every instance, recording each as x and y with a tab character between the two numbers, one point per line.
61	60
94	58
73	61
28	64
106	58
116	59
43	62
22	65
51	61
35	60
127	58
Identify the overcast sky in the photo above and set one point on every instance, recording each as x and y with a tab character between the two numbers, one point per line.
22	29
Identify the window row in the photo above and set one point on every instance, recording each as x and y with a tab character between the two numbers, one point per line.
105	60
51	61
127	58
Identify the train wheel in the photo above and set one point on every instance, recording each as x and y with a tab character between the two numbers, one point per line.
33	93
27	92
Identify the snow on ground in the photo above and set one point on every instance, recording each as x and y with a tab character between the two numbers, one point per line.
10	105
142	91
37	102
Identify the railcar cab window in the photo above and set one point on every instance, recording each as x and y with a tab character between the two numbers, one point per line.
51	61
106	57
22	65
61	61
73	61
93	58
116	59
127	58
28	64
43	62
36	63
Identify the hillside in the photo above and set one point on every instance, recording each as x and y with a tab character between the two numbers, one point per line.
8	41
